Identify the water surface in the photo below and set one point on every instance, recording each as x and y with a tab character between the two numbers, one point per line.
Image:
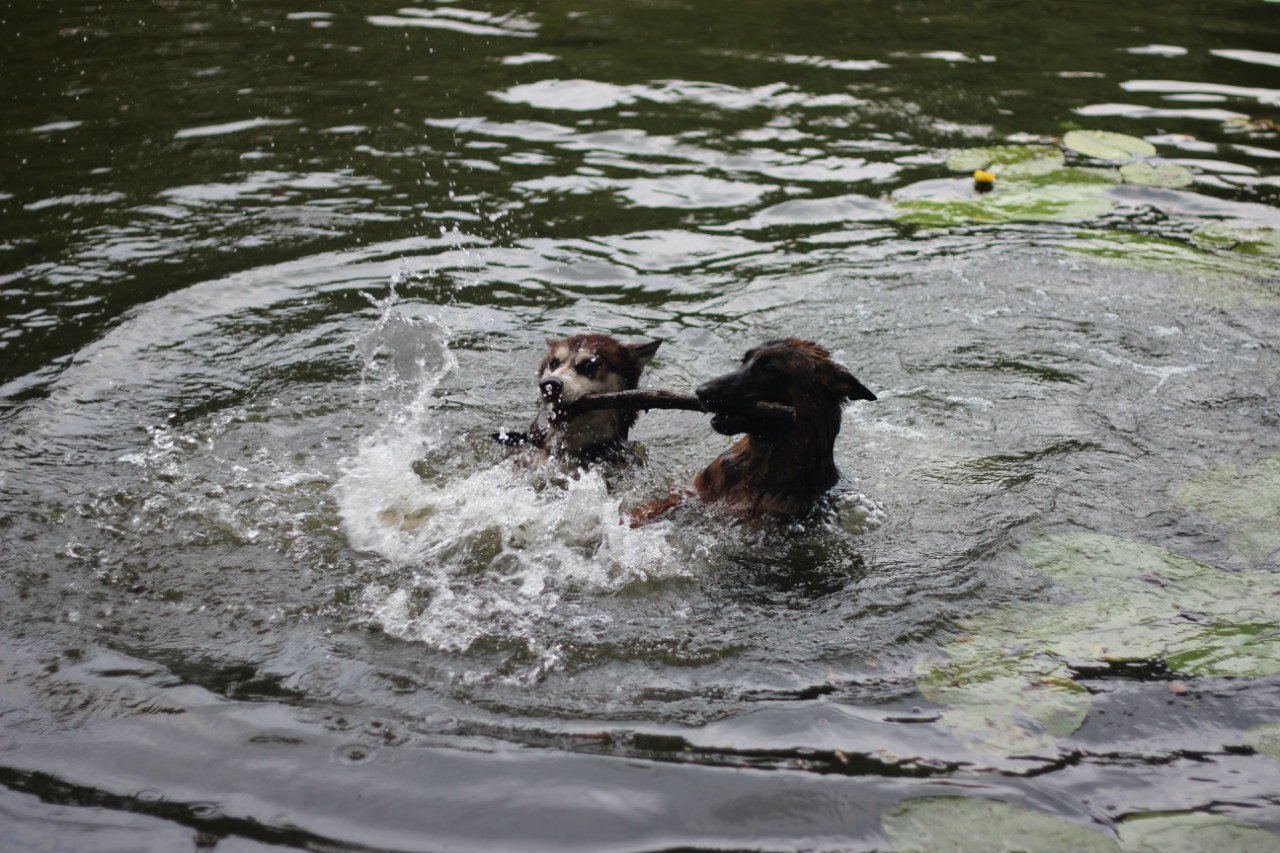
270	270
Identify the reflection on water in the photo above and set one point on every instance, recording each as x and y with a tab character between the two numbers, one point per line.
271	276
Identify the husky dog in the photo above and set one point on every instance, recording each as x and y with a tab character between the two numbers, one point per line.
778	471
572	368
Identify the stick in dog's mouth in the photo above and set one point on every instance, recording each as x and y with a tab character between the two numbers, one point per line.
762	416
765	415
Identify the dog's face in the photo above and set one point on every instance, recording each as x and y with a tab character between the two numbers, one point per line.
787	371
589	364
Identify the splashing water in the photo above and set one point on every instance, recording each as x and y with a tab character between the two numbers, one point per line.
480	553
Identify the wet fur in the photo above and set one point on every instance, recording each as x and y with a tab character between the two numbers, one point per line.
773	471
573	367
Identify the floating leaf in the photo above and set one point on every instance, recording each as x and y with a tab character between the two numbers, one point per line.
1081	560
1063	195
964	824
1105	145
1225	280
1148	174
1008	161
1245	239
1249	651
1265	739
1002	701
1235	630
1244	500
1008	685
1194	832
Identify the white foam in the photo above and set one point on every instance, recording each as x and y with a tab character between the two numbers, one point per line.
475	553
492	553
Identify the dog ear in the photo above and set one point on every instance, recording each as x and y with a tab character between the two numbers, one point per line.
641	353
846	385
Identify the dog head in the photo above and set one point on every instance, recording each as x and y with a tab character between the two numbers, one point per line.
589	364
788	371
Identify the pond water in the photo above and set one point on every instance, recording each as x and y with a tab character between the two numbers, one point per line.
269	270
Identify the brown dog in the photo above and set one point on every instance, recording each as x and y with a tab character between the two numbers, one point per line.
572	368
774	470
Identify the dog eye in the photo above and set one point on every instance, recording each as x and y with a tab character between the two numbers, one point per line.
589	367
553	364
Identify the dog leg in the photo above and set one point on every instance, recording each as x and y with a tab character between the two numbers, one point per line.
652	511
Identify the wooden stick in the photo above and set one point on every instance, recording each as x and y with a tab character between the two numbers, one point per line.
656	399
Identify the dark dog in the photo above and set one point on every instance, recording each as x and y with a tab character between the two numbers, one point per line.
572	368
775	470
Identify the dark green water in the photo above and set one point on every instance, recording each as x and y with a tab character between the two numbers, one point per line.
268	270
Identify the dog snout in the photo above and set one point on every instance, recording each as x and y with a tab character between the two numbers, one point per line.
708	393
551	388
723	392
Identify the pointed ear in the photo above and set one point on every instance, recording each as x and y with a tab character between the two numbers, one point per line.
641	353
847	386
552	342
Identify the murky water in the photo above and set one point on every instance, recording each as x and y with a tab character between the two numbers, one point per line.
269	271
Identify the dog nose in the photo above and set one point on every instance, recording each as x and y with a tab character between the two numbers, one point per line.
551	388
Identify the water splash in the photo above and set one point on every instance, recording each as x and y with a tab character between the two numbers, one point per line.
406	355
476	549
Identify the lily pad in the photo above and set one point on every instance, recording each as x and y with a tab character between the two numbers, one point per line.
966	824
1245	239
1140	597
1225	280
1148	174
1137	575
1008	684
1230	650
1194	832
1002	700
1062	195
1265	739
1244	500
1001	692
1008	161
1105	145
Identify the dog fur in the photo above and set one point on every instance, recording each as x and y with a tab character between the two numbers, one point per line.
572	368
772	471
